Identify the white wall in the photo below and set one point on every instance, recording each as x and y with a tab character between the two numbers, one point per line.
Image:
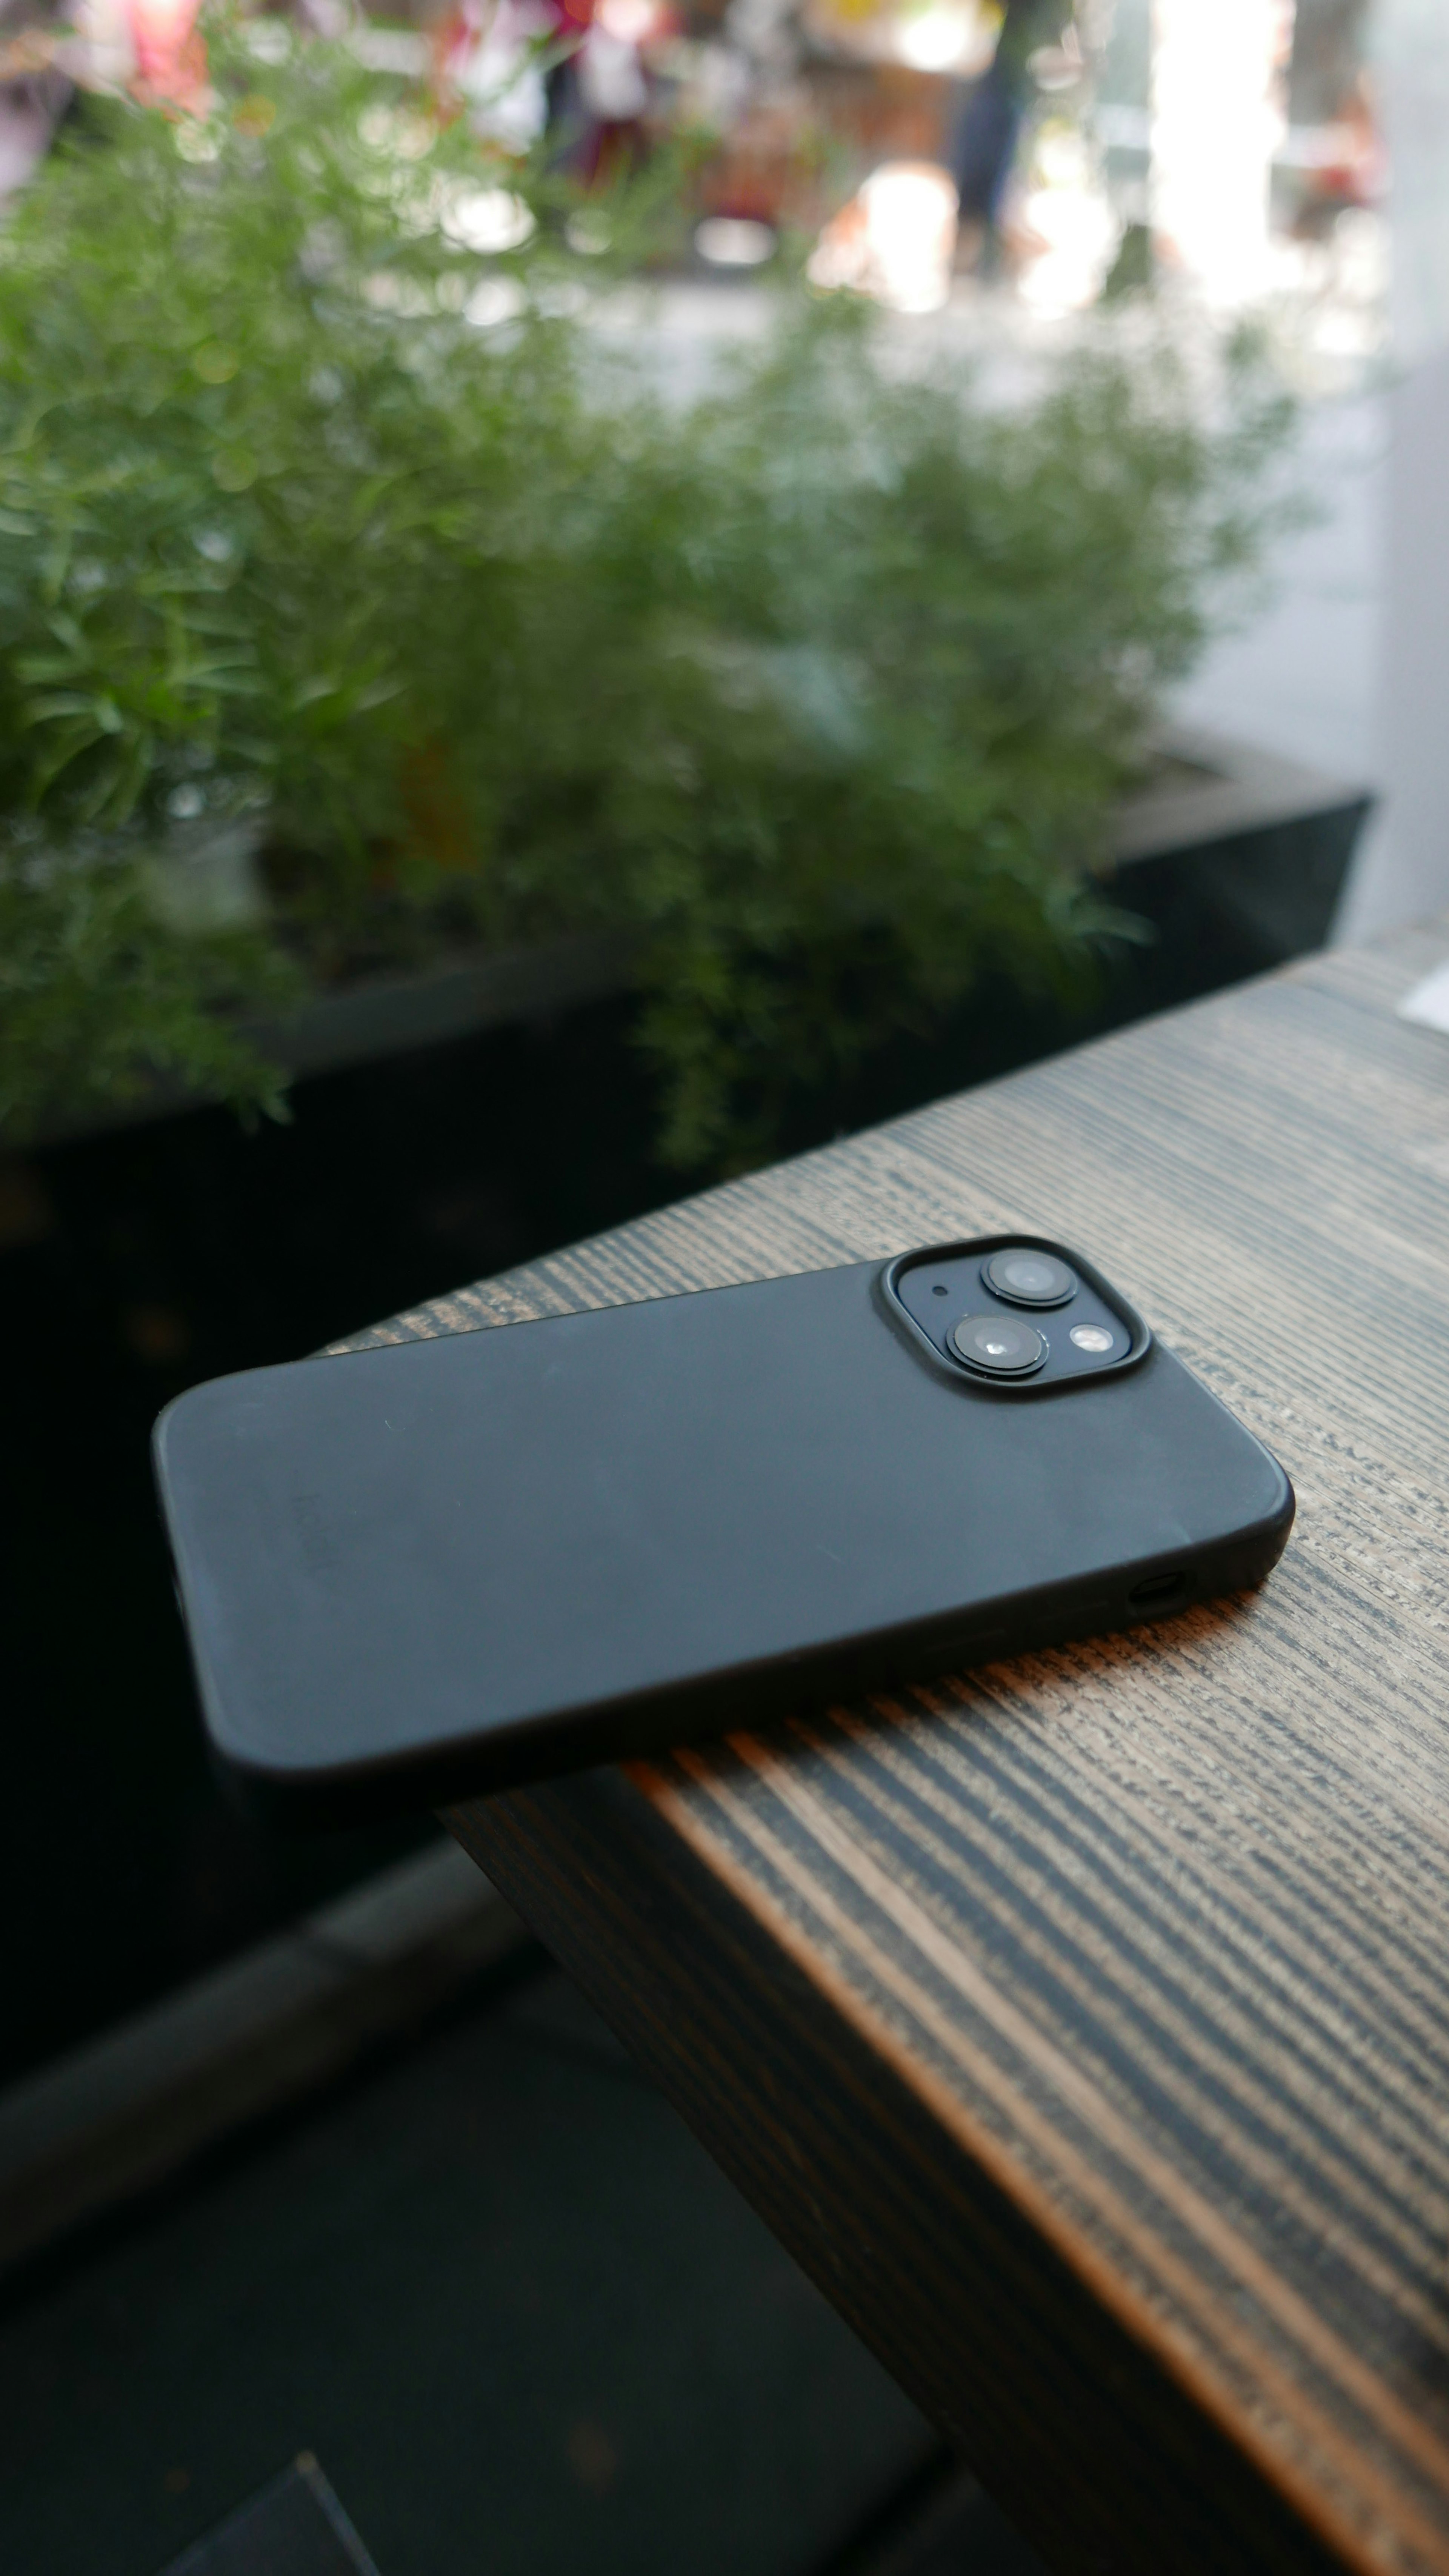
1404	869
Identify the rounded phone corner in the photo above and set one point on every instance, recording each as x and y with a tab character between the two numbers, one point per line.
307	1795
161	1433
1278	1521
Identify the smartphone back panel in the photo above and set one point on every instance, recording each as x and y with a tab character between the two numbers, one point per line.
449	1564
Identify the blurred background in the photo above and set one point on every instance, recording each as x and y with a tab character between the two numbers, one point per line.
591	591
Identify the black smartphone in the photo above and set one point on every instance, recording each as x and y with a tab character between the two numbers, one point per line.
433	1569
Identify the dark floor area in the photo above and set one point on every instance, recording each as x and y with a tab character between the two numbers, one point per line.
517	2314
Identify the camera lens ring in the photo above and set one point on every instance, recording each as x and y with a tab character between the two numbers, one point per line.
1025	1277
999	1346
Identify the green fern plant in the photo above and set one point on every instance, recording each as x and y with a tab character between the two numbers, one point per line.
820	686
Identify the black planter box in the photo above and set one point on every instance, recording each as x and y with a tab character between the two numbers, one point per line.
1236	857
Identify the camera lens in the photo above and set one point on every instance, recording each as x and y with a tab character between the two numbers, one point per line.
1029	1278
998	1345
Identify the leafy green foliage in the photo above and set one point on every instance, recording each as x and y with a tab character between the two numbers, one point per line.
821	685
100	998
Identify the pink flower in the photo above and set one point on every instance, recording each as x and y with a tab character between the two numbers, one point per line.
170	53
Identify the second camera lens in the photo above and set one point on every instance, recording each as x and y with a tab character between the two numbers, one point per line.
1029	1278
999	1345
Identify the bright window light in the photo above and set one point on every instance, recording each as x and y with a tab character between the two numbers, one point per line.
1215	127
729	241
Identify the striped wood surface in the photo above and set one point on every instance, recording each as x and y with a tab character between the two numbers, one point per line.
1083	2026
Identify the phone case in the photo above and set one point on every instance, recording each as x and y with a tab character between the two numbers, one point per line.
433	1569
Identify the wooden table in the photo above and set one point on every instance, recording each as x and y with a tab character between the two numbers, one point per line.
1083	2027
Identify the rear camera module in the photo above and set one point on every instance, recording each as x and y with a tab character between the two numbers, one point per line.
998	1345
1028	1278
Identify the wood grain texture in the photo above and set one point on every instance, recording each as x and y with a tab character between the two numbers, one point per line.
1084	2025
